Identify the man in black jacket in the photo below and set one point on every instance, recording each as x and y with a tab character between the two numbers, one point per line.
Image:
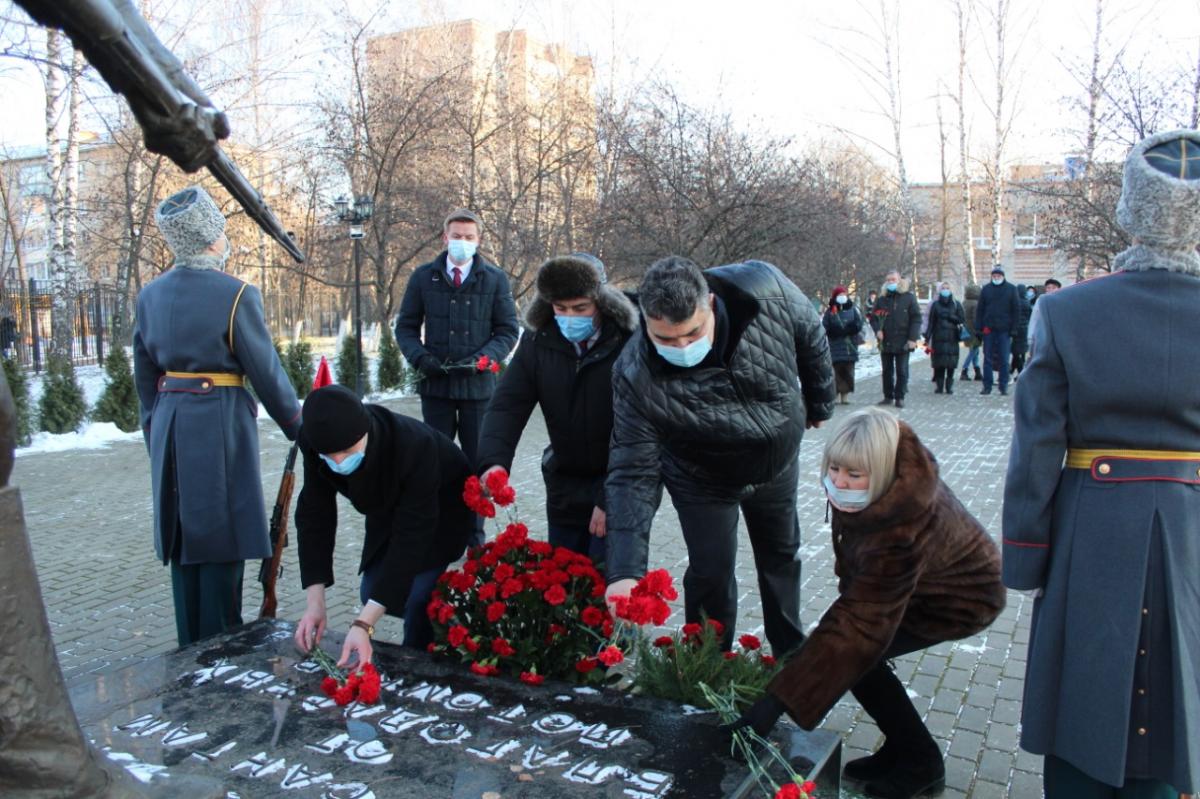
407	479
996	316
577	325
465	305
896	319
706	401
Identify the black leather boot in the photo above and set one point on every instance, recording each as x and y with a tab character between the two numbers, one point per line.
911	777
918	769
871	767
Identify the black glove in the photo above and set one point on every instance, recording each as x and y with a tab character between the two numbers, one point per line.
431	366
761	717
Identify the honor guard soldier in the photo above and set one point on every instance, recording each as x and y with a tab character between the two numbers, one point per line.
200	338
1102	502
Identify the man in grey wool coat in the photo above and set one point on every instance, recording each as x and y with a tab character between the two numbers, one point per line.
200	336
1102	502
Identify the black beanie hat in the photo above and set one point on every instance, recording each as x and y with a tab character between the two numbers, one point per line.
334	419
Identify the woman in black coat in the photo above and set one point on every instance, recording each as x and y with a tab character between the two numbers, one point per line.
1020	339
942	335
577	326
843	323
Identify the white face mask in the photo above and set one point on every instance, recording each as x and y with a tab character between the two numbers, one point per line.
845	499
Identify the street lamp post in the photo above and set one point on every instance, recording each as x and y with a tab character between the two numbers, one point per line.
355	216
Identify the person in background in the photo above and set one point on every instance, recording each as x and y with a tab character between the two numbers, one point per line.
1020	340
200	336
1049	287
897	324
407	480
843	326
996	315
974	343
914	568
577	326
457	308
943	335
1102	502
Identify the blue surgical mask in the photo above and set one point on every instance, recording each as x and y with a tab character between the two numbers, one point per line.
685	357
348	464
845	499
841	299
461	250
996	281
1029	295
891	286
575	328
945	293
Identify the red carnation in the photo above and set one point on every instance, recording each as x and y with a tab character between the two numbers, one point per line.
482	364
344	695
730	655
472	645
750	642
691	630
610	656
592	616
586	665
495	367
767	661
487	592
656	583
510	587
557	629
607	628
531	678
484	671
456	635
329	687
503	648
496	480
503	572
718	628
445	614
808	787
369	688
505	496
789	791
496	611
664	641
555	595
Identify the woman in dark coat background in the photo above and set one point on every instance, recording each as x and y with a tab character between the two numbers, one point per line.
1020	339
577	326
914	569
843	323
942	335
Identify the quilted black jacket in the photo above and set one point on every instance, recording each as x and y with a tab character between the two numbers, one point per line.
738	424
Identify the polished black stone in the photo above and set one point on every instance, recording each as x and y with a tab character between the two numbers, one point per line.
241	715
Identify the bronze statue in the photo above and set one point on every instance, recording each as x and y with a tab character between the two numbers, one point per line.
177	118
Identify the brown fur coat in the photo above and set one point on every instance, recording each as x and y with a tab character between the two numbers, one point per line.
915	559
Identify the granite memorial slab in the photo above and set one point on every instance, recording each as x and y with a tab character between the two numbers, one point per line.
242	715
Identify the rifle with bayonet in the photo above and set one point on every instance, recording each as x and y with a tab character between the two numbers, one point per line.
177	118
272	568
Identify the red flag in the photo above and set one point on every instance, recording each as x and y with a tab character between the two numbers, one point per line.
323	378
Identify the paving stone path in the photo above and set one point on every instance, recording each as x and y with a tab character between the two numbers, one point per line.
109	601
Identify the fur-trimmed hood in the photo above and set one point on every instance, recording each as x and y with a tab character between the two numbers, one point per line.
612	302
1159	210
902	287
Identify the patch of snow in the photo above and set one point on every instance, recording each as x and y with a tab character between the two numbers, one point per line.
98	435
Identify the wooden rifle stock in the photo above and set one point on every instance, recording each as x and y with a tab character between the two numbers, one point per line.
272	567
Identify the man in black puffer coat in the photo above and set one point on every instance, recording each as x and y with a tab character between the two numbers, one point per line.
996	316
577	325
464	306
706	401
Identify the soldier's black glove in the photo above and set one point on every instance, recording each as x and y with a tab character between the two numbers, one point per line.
431	366
760	717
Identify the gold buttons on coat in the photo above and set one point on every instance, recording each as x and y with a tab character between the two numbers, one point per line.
1145	611
1104	468
1141	651
1141	692
204	384
1141	730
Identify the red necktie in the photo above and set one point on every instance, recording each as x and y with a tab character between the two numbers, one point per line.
457	277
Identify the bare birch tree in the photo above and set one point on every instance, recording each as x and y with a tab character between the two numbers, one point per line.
962	17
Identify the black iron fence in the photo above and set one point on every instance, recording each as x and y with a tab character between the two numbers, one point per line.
27	323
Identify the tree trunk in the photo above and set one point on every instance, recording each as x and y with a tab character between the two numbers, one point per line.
1095	92
59	270
997	176
968	240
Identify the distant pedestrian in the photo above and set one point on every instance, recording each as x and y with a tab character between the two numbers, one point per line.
1102	507
1049	287
974	343
843	325
896	320
1020	340
996	315
943	336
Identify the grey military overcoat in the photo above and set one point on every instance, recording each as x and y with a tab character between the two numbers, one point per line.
203	442
1113	676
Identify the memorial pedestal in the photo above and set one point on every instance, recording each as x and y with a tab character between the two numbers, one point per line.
242	715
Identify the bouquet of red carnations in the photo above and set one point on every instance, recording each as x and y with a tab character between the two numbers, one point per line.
360	685
520	606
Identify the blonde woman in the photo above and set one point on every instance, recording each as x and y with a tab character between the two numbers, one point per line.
915	568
